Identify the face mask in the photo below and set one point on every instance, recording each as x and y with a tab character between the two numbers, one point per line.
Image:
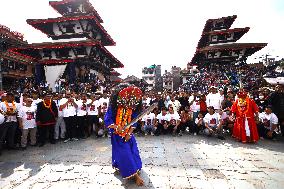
261	97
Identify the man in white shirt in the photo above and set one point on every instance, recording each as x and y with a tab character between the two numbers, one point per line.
82	116
60	124
162	121
199	124
68	107
104	98
174	121
195	106
94	109
9	109
214	99
27	123
213	123
175	103
267	125
148	123
36	99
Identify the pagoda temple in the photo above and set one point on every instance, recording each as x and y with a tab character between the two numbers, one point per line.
13	66
79	20
218	43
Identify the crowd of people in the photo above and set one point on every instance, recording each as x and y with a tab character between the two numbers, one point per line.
71	116
210	113
222	75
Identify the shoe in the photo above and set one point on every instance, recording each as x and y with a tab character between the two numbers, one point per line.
146	134
180	134
152	133
41	145
75	139
67	140
23	148
194	134
52	142
221	137
13	148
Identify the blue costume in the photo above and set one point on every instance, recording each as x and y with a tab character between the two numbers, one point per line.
125	155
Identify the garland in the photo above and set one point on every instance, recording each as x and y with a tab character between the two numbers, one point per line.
47	106
9	109
123	117
244	113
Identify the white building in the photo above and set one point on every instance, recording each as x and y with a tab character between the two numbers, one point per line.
152	75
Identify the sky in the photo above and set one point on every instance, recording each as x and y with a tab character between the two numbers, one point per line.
161	32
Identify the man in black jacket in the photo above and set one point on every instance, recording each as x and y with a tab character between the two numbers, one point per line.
46	116
276	100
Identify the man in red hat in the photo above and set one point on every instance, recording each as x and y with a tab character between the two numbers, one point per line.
245	110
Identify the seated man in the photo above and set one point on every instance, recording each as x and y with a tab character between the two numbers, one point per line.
185	122
227	121
213	123
148	123
162	121
267	125
174	121
199	124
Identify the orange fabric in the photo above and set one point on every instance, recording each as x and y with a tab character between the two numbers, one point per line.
10	109
123	117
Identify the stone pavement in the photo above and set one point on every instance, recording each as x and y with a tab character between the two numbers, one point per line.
168	162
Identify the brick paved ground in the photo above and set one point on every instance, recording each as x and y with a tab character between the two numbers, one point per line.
168	162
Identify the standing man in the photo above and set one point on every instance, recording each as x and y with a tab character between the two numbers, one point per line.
46	116
214	99
276	100
60	128
94	109
27	123
82	117
9	109
68	107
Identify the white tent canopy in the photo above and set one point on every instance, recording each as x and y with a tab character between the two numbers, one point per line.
53	73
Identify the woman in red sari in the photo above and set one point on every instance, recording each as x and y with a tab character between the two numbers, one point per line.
245	110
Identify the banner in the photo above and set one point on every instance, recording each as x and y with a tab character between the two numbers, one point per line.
53	73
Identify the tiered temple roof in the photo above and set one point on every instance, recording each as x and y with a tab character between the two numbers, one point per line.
13	64
217	43
72	27
66	52
79	20
78	7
